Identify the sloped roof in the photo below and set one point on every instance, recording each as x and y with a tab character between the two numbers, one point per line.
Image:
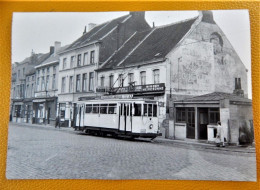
53	57
97	32
157	43
125	49
216	96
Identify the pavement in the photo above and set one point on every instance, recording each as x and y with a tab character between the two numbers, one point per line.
192	144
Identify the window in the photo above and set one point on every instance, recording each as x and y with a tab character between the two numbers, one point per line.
54	69
89	108
47	82
112	109
79	60
84	82
38	72
23	72
121	80
85	59
71	84
54	81
103	108
143	77
38	83
95	108
180	115
238	83
63	84
156	76
92	57
154	110
130	78
150	110
43	71
214	115
32	95
72	60
43	84
91	81
111	81
27	90
18	74
32	78
102	81
77	83
48	70
64	65
137	109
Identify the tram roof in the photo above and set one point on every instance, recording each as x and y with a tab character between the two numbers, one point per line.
116	100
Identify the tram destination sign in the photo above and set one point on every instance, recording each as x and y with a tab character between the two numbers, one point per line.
149	88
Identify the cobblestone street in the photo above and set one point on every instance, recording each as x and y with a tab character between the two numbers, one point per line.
46	153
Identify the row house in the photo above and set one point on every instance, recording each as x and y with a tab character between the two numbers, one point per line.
181	62
46	89
78	62
23	75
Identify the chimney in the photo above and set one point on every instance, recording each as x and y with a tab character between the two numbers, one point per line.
85	30
57	46
91	26
153	25
140	14
51	50
207	16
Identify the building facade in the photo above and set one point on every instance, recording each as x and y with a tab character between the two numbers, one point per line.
46	95
78	62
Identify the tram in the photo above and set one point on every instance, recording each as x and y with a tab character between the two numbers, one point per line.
132	118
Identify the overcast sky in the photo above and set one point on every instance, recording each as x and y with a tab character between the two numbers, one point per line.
39	31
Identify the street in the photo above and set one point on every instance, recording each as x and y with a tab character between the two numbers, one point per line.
44	153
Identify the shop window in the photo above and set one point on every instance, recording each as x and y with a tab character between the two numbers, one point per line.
214	116
180	115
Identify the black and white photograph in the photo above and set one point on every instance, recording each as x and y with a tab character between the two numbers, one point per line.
161	95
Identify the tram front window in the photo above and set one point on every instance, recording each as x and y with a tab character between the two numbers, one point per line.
145	109
150	110
154	110
138	109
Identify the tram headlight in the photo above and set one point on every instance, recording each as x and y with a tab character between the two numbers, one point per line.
151	126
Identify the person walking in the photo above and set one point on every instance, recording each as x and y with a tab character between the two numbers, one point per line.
57	123
220	140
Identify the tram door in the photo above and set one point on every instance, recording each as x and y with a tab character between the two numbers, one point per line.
125	117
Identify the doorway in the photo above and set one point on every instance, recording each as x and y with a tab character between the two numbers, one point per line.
203	121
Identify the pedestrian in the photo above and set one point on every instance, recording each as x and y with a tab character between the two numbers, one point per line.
57	123
220	135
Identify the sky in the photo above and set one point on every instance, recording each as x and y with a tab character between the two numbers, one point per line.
39	31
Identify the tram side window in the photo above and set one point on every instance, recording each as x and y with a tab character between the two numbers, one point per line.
89	108
95	108
138	109
154	110
150	110
112	109
103	109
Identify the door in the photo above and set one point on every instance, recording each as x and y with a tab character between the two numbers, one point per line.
190	123
125	117
203	122
48	116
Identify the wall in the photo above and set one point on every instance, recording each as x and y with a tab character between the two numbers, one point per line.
201	65
238	114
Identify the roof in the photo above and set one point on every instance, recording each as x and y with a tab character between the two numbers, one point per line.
155	44
53	57
97	33
216	96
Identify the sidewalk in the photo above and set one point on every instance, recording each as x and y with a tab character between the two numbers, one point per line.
207	146
179	143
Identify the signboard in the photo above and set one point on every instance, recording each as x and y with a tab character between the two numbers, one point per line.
139	89
121	96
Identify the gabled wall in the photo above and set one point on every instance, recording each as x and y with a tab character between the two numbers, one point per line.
205	62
